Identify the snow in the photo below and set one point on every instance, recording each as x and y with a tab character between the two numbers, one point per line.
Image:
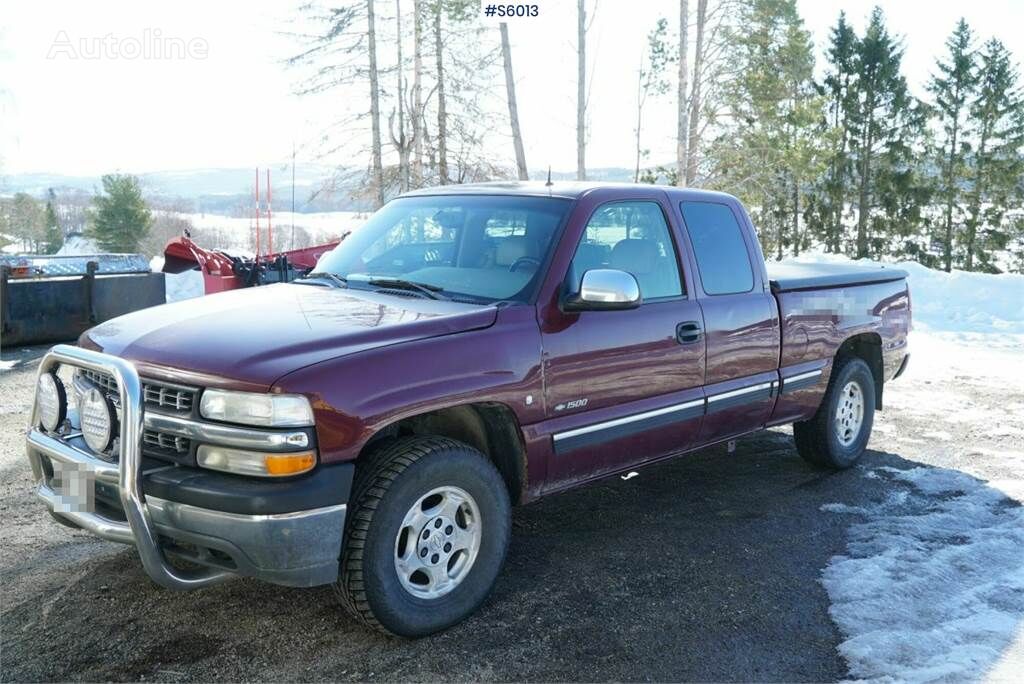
178	286
76	244
932	584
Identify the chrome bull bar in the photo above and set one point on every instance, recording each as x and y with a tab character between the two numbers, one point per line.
126	474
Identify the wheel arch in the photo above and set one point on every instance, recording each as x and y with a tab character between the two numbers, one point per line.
491	428
867	347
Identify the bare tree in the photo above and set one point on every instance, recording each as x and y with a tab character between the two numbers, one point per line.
693	136
417	94
650	80
714	73
513	110
343	53
403	143
442	113
581	90
683	128
376	161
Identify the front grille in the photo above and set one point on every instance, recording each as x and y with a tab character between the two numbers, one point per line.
105	382
168	397
154	394
165	442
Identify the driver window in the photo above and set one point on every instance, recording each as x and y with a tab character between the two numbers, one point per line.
631	237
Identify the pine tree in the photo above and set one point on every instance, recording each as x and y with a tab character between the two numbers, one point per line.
121	219
777	145
26	221
885	123
998	167
53	236
826	208
951	88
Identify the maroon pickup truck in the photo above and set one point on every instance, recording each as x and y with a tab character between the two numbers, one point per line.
469	348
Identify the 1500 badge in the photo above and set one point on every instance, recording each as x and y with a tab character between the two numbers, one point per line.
574	404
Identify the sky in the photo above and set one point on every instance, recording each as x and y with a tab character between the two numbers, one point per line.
90	88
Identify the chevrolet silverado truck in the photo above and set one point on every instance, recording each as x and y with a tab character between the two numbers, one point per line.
468	349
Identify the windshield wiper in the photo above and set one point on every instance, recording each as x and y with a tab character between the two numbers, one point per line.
428	291
333	277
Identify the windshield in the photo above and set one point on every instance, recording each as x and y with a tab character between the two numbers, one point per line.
468	247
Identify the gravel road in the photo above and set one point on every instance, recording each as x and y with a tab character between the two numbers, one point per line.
705	568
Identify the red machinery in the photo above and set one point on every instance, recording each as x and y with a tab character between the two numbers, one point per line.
224	272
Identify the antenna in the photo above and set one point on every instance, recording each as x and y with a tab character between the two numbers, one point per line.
549	183
270	228
293	195
257	213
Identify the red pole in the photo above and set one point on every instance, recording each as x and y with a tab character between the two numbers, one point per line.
257	213
270	229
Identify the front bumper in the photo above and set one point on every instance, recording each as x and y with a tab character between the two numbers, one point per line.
224	524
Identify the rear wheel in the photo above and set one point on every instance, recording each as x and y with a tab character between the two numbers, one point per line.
838	433
426	536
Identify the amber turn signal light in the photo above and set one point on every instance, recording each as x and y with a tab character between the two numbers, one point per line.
289	464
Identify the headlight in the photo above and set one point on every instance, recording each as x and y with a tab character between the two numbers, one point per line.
51	400
253	462
249	408
97	417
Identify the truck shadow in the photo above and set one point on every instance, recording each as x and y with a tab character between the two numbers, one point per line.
708	567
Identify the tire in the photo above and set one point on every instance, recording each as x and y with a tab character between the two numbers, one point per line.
392	496
821	440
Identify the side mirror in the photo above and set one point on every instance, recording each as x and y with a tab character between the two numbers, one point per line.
604	289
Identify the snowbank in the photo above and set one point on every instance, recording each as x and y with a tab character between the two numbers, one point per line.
932	583
958	304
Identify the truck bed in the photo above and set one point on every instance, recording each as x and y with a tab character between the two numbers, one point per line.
795	277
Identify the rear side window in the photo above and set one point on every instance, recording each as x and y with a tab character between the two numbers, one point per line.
718	245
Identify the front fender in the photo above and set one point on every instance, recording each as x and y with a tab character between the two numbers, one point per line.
356	396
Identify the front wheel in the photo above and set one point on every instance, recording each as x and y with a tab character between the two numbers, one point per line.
838	433
426	536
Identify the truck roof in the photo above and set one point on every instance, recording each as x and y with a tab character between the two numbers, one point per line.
564	189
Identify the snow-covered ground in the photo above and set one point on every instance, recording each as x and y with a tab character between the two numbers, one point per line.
931	586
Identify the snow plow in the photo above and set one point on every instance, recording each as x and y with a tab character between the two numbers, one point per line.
222	271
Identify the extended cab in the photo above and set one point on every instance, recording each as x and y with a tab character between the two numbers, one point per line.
469	348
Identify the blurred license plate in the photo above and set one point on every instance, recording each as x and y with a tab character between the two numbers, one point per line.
75	488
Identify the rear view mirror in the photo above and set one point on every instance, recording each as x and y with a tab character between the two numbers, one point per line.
604	289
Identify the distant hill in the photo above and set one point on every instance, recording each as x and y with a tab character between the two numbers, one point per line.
188	183
224	190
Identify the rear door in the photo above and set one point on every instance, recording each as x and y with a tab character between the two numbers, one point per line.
623	386
741	321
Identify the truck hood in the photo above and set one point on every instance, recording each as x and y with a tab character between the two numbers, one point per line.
252	337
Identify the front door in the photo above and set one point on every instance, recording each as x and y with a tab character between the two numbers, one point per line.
624	386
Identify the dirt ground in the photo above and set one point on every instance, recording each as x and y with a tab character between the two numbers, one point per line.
704	568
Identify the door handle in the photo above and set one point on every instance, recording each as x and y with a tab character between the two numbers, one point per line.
688	332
